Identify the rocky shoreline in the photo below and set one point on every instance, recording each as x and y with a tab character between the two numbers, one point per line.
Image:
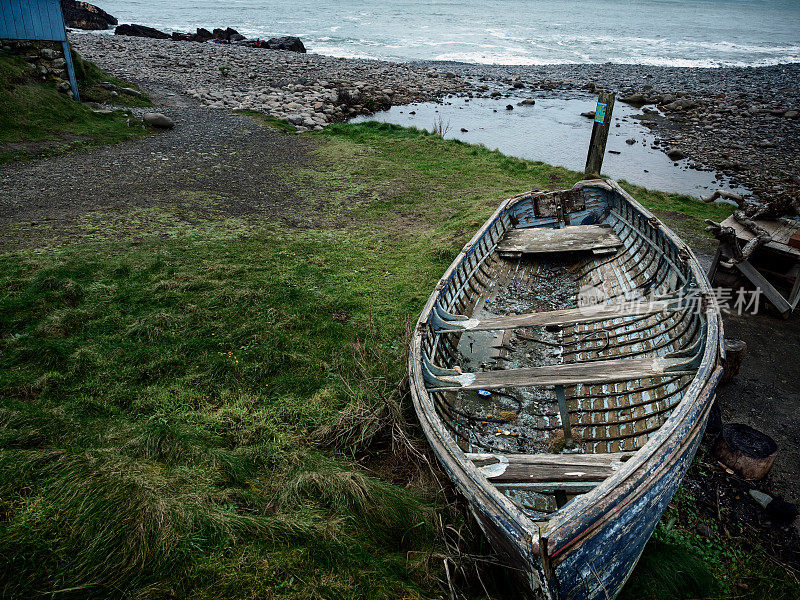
740	121
308	90
743	122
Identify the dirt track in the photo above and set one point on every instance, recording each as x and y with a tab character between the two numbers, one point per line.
219	154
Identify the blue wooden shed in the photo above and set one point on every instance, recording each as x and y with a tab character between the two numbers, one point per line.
37	20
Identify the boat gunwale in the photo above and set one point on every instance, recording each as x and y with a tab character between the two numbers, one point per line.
598	501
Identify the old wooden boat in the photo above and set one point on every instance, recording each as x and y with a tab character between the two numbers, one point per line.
563	371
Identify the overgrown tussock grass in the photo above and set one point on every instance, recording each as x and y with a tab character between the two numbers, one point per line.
219	411
179	410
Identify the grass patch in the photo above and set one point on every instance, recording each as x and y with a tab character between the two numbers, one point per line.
420	167
166	388
690	556
36	120
90	79
190	409
679	203
670	572
270	121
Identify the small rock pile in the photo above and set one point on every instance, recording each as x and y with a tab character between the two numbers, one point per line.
45	58
308	90
735	134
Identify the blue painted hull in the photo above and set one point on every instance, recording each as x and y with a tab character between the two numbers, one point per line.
599	567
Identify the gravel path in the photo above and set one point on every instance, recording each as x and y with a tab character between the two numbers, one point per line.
223	155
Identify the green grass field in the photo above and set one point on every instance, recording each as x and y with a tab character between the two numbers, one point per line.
206	408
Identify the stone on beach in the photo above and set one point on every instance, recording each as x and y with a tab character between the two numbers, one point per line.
228	35
675	154
287	42
203	35
637	99
158	120
141	31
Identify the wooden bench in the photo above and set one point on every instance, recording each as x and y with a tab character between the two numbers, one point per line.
544	240
599	312
784	244
548	468
603	371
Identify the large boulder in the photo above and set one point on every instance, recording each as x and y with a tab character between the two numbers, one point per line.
141	31
637	99
680	104
203	35
82	15
158	120
675	154
228	35
286	42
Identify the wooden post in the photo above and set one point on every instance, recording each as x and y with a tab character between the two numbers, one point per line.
597	144
73	82
748	452
734	355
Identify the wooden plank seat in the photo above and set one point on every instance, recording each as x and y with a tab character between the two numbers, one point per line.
602	371
548	468
599	312
574	238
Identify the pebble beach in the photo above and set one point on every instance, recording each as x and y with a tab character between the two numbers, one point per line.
740	121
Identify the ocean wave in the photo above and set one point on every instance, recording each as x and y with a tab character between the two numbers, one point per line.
499	58
339	52
518	33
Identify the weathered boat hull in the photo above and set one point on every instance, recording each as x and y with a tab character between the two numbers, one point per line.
622	527
588	547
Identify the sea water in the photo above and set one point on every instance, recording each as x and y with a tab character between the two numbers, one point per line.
691	33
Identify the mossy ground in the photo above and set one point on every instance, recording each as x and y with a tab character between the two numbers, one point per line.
37	120
90	77
162	389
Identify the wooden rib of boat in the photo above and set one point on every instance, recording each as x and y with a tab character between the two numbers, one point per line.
563	371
